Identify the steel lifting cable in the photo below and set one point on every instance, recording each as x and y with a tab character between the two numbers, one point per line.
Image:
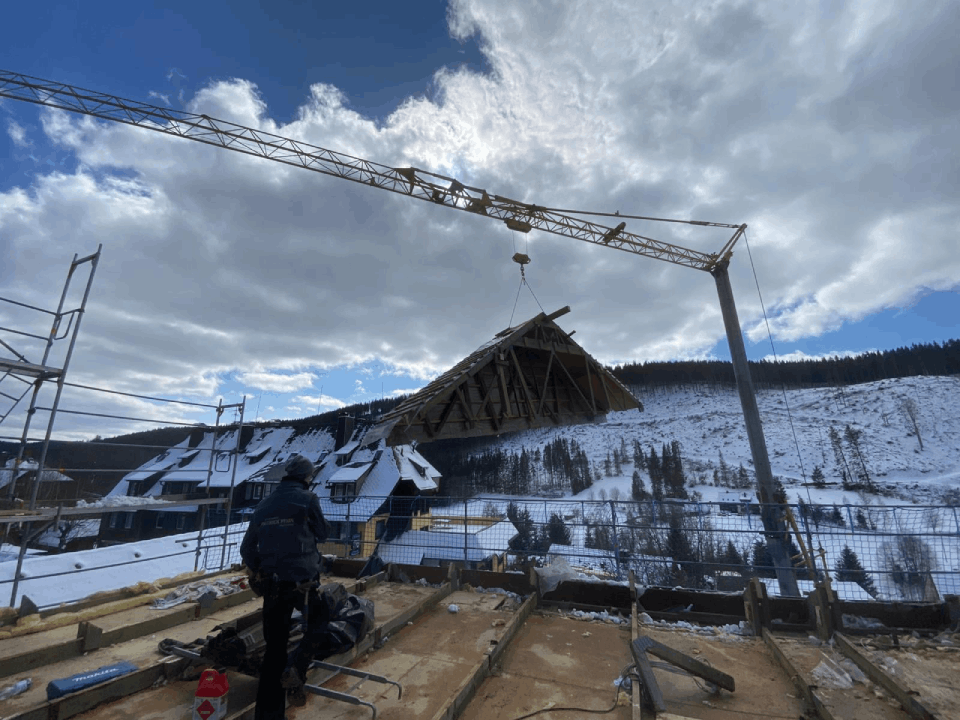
783	387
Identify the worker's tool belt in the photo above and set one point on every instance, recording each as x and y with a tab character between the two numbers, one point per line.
264	586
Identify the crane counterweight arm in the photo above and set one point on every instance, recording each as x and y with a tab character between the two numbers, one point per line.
416	183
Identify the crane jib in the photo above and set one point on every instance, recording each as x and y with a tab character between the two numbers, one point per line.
416	183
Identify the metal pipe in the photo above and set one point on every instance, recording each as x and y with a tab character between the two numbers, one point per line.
774	525
203	511
233	480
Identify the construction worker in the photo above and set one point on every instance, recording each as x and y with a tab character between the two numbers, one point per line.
280	550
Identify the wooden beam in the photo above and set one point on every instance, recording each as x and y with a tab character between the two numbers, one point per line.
691	665
546	382
593	400
903	694
445	415
808	691
576	387
467	410
523	384
649	681
504	394
487	403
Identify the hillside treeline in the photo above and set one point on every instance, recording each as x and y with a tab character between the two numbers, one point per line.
925	359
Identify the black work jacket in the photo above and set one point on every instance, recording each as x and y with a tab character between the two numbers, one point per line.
281	540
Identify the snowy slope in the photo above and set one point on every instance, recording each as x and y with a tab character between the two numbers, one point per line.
707	422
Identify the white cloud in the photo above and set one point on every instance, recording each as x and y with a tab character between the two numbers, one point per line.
275	382
832	137
17	134
319	403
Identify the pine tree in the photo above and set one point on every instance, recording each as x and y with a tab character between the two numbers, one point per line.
742	479
557	531
656	475
816	477
838	454
849	569
724	472
852	437
637	491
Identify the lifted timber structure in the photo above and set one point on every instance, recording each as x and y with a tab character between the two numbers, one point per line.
529	376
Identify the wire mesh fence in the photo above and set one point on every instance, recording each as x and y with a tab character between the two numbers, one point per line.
871	552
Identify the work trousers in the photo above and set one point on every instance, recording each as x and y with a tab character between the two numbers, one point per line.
278	607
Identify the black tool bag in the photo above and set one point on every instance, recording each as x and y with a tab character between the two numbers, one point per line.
350	619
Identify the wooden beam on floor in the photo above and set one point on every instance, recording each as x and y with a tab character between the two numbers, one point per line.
903	694
808	692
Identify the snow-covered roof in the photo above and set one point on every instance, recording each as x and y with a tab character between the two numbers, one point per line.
272	447
28	465
415	468
414	546
347	449
350	473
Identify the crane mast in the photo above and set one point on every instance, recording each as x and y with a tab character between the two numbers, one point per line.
448	192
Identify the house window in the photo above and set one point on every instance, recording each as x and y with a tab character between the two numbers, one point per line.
380	529
159	523
115	520
181	520
343	492
134	487
127	521
257	491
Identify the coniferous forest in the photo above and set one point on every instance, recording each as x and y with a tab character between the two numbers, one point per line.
926	359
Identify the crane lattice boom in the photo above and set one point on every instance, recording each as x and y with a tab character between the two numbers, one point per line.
416	183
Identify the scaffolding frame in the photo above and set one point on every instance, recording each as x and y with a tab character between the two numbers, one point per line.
20	368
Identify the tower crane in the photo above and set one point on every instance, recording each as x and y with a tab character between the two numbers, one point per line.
449	192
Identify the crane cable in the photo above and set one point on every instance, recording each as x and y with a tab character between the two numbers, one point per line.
783	387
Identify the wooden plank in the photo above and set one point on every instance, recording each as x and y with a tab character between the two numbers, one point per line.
39	657
903	694
650	688
681	660
512	627
481	671
807	691
410	614
636	704
84	700
178	616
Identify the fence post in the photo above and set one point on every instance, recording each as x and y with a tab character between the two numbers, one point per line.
956	520
616	539
465	533
853	525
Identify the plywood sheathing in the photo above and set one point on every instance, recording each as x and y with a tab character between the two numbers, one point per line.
173	700
556	660
435	658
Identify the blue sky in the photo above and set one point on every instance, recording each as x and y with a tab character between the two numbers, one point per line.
850	199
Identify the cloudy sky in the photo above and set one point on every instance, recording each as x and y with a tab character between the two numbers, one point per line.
832	129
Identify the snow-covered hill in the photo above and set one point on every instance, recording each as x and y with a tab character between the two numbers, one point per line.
707	422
